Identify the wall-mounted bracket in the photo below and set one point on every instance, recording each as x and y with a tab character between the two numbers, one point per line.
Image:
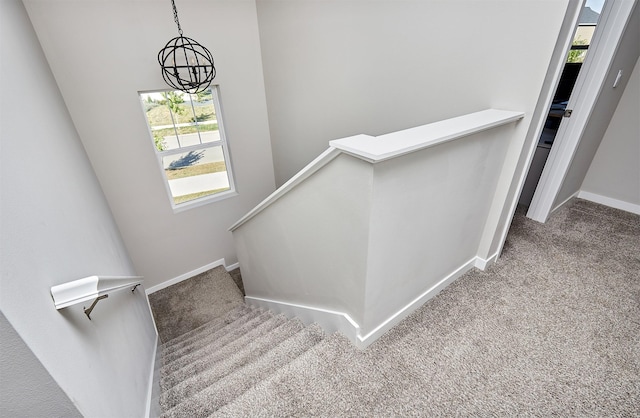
93	305
91	288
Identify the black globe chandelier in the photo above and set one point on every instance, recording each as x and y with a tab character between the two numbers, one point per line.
186	65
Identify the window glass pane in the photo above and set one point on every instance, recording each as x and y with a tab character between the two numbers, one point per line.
204	110
197	173
165	139
577	56
188	135
211	134
178	103
158	114
159	119
206	118
189	143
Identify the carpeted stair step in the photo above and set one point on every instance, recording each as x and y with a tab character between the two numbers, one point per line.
235	383
245	355
217	341
309	380
181	307
212	326
204	358
218	336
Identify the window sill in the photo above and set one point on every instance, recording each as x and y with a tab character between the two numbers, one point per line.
196	203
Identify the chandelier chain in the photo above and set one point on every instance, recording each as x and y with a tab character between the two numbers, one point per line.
186	65
175	17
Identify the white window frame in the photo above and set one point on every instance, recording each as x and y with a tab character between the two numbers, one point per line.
222	142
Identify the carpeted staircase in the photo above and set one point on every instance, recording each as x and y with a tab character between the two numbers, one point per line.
552	329
210	366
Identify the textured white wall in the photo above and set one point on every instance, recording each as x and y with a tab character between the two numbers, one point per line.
26	389
102	53
339	68
428	213
310	246
56	227
370	239
615	169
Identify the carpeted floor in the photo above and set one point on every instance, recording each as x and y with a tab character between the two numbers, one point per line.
189	304
552	329
237	279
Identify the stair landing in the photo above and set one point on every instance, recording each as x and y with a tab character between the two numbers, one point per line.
187	305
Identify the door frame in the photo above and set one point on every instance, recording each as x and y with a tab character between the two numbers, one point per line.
611	26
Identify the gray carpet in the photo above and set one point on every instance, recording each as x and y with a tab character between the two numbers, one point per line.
189	304
237	279
553	329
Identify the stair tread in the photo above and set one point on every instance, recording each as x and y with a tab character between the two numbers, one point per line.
206	357
249	358
212	326
234	384
201	340
301	369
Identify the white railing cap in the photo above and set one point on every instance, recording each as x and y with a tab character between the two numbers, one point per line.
88	288
384	147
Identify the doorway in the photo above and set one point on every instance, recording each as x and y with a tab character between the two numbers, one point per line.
587	22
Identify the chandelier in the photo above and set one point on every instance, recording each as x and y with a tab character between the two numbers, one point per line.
186	65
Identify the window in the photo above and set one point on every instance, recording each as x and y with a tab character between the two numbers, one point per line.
587	22
581	42
188	137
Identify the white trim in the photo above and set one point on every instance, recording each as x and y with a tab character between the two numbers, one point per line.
201	201
536	211
365	341
611	27
482	263
88	288
185	276
329	320
609	201
395	144
151	378
561	204
232	266
550	84
332	321
384	147
315	165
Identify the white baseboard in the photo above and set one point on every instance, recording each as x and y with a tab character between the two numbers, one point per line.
561	204
329	320
189	275
609	201
394	319
232	266
482	264
332	321
153	395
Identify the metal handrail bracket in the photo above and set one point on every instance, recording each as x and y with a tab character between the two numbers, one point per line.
91	288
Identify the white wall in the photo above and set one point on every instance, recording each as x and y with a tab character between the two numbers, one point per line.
56	227
615	170
27	389
339	68
373	241
624	59
428	214
310	246
102	52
